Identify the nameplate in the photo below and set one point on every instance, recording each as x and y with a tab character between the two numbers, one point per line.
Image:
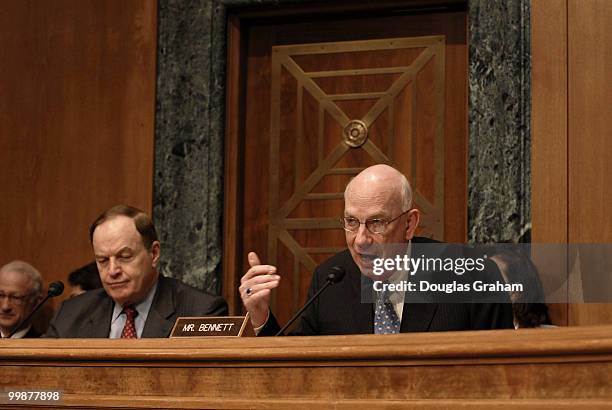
213	326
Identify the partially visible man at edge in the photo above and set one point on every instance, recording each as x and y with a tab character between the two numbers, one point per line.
84	279
20	290
135	301
377	212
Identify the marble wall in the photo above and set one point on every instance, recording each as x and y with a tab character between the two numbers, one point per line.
188	186
499	149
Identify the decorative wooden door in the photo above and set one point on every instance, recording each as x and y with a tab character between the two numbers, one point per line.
317	113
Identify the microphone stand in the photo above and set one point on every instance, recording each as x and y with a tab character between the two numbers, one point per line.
55	291
334	277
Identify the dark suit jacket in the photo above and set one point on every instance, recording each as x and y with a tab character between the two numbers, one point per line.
32	333
89	314
339	309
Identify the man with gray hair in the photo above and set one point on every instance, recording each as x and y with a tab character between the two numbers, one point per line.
20	291
378	214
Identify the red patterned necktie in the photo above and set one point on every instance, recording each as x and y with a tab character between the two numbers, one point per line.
129	330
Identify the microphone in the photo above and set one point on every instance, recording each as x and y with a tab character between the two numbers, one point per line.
55	289
334	276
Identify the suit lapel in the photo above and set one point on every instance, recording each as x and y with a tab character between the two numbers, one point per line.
364	317
161	315
417	317
32	333
103	313
364	312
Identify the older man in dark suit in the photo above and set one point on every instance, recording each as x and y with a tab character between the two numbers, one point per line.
136	301
378	211
20	291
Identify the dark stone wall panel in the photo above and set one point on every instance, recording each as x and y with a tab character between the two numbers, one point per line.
188	185
499	187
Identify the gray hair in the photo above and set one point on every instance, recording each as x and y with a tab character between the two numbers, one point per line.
25	268
406	193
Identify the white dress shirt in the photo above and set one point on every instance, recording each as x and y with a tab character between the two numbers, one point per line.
18	335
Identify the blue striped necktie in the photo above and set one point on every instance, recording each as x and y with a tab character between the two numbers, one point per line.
385	318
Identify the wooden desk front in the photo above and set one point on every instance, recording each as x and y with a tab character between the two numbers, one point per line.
556	368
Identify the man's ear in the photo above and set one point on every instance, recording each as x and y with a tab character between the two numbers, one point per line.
412	221
155	253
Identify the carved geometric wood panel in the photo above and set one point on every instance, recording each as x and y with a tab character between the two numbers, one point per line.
337	108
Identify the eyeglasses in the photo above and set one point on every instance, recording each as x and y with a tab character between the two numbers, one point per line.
14	299
376	226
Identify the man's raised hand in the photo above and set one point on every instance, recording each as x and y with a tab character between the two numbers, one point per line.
255	288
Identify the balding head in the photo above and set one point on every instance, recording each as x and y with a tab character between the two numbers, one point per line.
386	180
377	213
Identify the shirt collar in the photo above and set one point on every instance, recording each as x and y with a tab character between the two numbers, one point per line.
398	277
19	334
142	307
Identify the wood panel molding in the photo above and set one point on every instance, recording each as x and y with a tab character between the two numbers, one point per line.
480	346
589	142
549	143
234	123
427	370
571	97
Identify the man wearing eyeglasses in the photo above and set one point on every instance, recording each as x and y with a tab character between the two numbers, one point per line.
377	212
20	291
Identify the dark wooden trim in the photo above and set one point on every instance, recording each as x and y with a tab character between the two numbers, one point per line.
549	196
502	369
343	7
553	345
234	121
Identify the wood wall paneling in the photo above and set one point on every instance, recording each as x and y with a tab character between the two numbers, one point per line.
549	138
234	119
77	102
572	100
590	141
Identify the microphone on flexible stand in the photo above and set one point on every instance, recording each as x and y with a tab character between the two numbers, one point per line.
55	289
335	275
